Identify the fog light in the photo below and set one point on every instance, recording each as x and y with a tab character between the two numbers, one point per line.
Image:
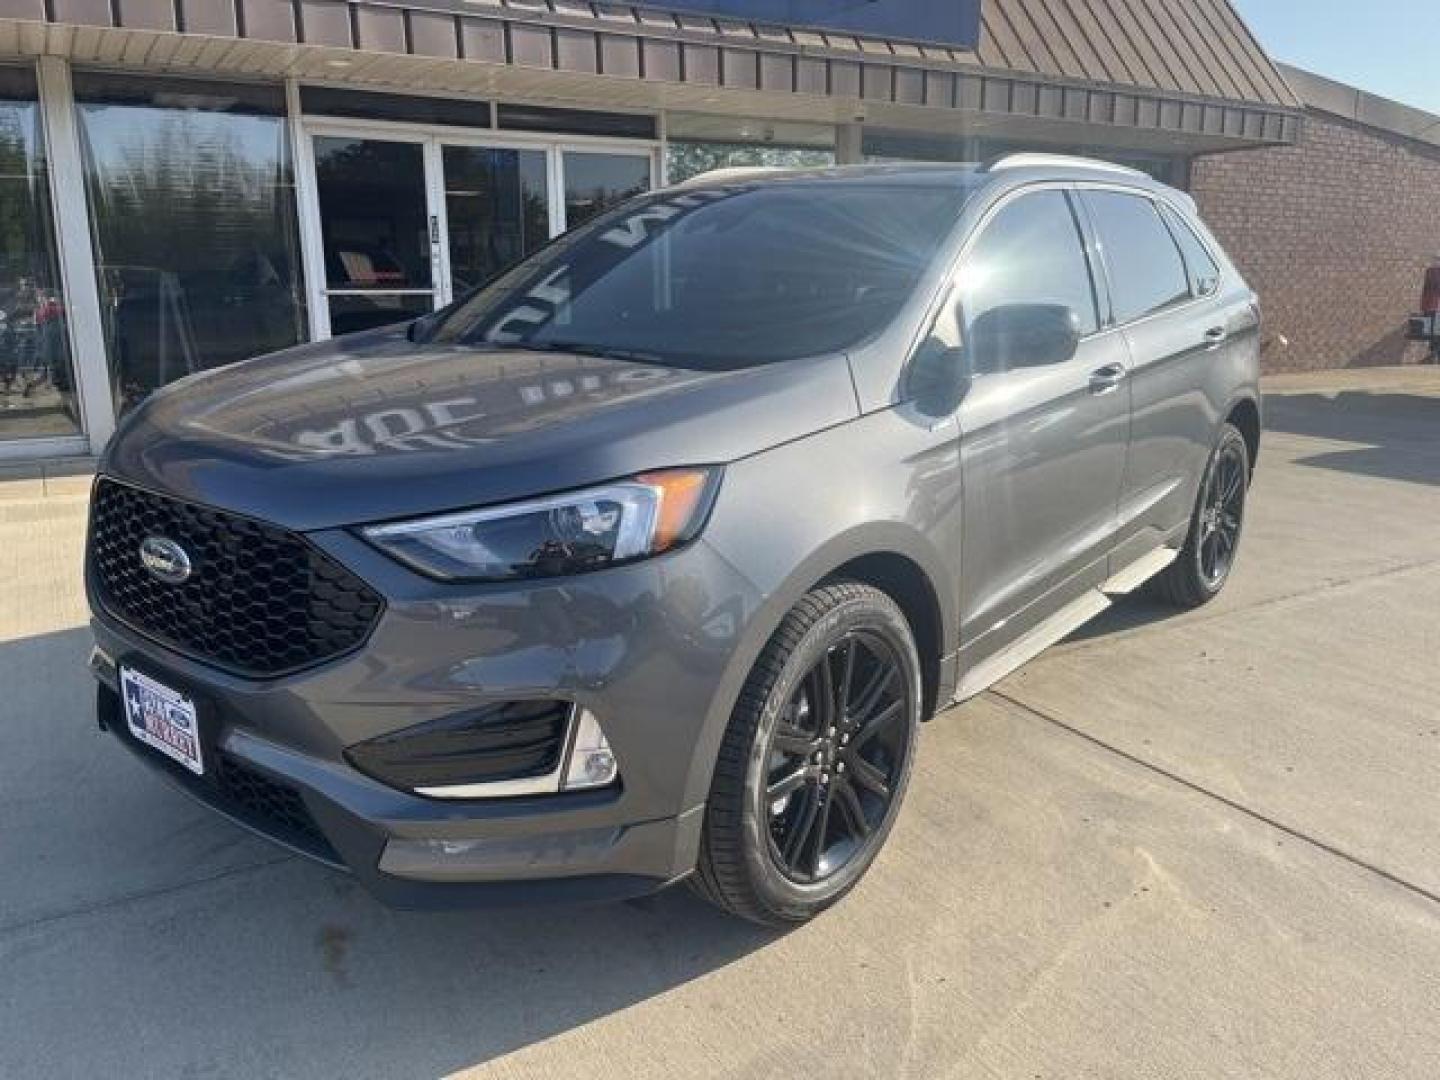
592	762
496	750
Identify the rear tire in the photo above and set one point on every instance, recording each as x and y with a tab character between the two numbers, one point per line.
1213	542
815	763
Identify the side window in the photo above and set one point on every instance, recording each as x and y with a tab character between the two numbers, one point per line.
1204	274
1146	271
1031	252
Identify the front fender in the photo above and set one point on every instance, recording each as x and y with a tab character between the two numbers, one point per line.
884	484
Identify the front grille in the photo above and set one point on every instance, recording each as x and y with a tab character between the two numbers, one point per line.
270	806
229	785
260	600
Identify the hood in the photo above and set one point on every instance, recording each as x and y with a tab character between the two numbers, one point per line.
375	427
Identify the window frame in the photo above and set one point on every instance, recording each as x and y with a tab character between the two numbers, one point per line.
1156	200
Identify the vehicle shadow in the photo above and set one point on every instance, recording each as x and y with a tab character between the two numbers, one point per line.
1126	613
130	895
1398	434
1397	437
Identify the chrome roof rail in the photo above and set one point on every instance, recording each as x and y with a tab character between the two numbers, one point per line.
729	173
1056	161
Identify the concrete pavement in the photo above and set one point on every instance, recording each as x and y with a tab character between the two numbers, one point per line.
1195	846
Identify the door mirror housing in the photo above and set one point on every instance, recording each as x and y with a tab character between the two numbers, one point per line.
1017	336
937	380
423	329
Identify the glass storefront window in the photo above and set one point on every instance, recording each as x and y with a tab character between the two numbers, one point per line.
497	210
686	159
37	385
594	182
192	209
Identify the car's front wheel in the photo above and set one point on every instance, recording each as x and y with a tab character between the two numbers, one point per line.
816	759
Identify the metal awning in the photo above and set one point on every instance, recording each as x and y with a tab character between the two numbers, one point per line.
1181	74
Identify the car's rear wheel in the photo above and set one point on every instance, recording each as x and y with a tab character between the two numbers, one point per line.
1211	546
816	759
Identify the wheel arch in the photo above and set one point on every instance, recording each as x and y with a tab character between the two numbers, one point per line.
892	557
906	582
1245	415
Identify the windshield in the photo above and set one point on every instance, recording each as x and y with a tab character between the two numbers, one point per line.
719	278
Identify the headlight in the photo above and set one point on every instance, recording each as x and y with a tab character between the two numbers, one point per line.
562	534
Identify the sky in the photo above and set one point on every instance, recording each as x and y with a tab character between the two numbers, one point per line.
1385	46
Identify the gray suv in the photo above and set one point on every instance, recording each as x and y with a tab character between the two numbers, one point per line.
645	560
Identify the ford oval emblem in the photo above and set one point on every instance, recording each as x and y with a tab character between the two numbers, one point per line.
165	560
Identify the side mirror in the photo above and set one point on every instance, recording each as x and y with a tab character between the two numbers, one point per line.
1022	336
423	329
937	381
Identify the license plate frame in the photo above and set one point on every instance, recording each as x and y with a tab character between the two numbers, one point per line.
162	718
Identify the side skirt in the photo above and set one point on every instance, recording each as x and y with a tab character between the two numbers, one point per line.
1063	623
1140	571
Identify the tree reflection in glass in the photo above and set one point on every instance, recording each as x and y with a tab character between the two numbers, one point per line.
595	182
193	214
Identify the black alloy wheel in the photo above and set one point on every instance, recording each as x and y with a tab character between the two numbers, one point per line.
815	761
836	756
1222	510
1212	544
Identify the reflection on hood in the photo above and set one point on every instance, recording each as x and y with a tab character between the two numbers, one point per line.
391	398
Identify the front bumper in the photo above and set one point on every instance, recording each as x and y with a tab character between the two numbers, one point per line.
648	648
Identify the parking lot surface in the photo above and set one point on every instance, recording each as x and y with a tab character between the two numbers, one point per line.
1194	846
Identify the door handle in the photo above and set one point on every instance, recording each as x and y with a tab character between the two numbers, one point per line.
1108	378
1216	335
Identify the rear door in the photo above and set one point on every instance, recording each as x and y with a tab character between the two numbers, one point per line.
1168	312
1042	447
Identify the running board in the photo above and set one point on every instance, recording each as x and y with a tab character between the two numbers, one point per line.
1140	571
1064	622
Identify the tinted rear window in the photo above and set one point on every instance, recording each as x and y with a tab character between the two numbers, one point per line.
1146	272
722	277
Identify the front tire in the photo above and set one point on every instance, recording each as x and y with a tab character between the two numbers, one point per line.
1213	542
816	760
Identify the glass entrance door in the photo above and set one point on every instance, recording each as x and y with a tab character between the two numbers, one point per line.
497	210
407	219
379	235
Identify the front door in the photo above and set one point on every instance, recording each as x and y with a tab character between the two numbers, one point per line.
498	209
380	237
1042	445
408	219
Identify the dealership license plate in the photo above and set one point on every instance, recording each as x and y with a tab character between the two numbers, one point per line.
162	718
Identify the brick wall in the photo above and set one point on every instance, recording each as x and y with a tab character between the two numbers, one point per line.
1334	233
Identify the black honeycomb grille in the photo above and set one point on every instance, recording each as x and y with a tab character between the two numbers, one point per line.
269	805
260	600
